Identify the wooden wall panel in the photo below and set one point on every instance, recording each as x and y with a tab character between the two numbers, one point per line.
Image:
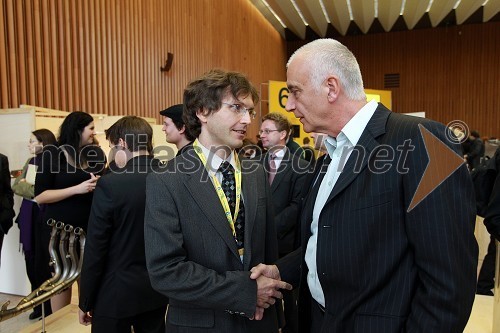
104	56
450	73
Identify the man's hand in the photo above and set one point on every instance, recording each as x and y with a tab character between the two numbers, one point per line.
259	314
85	318
270	271
268	285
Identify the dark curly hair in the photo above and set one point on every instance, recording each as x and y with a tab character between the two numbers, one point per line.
187	133
205	94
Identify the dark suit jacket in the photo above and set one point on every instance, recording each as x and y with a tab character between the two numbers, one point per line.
383	269
476	151
192	256
114	279
492	217
287	191
6	196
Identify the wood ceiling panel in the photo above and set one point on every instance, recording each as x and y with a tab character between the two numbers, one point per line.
439	10
269	16
388	12
339	14
314	15
491	8
466	8
284	8
413	12
363	12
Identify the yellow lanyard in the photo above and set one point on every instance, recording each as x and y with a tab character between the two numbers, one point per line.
220	192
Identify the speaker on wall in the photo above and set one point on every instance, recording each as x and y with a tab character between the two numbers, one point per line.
168	63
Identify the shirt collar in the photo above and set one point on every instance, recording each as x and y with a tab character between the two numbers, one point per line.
279	154
213	160
352	131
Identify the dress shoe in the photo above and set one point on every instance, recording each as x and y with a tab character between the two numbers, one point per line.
35	315
485	292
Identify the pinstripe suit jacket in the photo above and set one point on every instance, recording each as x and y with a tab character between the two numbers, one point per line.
192	256
383	269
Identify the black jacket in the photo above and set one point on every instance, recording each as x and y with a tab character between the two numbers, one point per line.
6	196
114	279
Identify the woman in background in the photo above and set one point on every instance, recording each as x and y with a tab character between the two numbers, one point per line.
67	178
29	218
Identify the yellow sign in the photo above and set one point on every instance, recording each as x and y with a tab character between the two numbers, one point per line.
369	97
278	95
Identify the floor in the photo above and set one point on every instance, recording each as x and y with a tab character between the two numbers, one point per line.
13	324
479	322
18	323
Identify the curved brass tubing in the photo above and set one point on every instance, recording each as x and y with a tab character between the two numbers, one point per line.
54	235
64	280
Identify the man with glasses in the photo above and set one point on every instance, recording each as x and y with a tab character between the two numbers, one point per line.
209	218
287	175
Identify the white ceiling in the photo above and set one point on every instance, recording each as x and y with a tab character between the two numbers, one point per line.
303	18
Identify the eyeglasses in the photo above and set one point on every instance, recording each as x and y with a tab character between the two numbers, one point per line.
267	131
240	109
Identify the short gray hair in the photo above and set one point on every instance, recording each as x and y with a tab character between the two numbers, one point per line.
330	57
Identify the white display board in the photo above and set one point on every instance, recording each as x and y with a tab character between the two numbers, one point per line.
16	126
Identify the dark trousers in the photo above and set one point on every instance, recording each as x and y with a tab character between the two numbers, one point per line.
486	279
147	322
41	259
1	242
317	317
290	311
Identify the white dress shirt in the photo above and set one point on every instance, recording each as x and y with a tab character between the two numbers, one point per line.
278	157
214	162
339	149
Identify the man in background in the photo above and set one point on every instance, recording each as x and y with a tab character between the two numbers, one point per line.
115	290
287	174
475	151
174	128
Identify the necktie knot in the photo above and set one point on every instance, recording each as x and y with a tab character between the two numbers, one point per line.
226	168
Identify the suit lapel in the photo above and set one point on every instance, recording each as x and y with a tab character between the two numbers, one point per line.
204	194
358	159
310	198
280	173
250	195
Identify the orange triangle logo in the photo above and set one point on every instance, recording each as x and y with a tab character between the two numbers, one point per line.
443	162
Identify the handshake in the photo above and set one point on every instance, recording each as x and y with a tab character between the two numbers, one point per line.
268	287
